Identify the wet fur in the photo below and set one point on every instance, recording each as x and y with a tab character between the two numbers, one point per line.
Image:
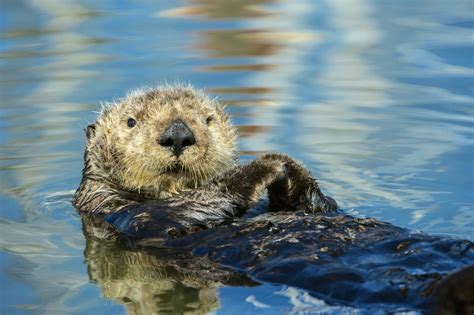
133	191
126	168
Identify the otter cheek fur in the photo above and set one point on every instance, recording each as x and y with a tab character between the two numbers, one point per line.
164	159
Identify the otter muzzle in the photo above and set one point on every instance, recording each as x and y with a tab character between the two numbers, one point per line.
176	137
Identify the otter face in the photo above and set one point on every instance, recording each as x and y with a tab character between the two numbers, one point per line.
162	141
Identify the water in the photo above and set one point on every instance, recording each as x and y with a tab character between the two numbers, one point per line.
375	97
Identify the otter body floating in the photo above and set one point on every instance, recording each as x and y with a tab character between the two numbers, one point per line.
161	171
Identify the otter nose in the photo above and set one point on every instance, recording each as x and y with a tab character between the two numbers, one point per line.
177	136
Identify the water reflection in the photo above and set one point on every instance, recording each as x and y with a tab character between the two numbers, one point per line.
162	282
220	9
373	111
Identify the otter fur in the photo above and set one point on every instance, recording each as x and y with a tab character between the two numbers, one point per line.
175	148
125	164
161	172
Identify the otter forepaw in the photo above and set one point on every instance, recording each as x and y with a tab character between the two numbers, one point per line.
315	201
150	222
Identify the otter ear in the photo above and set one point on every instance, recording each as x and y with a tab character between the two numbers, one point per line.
90	131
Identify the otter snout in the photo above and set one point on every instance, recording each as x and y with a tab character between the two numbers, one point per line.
176	137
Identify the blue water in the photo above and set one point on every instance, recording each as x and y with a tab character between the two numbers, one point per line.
375	97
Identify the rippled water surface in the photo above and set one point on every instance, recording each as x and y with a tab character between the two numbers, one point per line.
375	97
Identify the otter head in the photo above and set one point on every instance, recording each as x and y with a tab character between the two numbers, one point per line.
159	142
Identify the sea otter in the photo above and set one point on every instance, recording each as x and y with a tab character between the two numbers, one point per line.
173	151
161	172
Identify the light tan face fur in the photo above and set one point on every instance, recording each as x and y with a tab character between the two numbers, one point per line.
132	159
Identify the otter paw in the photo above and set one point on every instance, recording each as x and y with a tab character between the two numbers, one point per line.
142	222
315	201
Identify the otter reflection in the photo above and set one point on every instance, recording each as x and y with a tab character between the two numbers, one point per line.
162	282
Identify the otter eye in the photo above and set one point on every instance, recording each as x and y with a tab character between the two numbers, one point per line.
209	119
131	122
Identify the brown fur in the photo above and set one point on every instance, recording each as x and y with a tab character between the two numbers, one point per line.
455	294
203	187
154	205
124	165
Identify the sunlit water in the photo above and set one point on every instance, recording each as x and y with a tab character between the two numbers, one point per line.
375	97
